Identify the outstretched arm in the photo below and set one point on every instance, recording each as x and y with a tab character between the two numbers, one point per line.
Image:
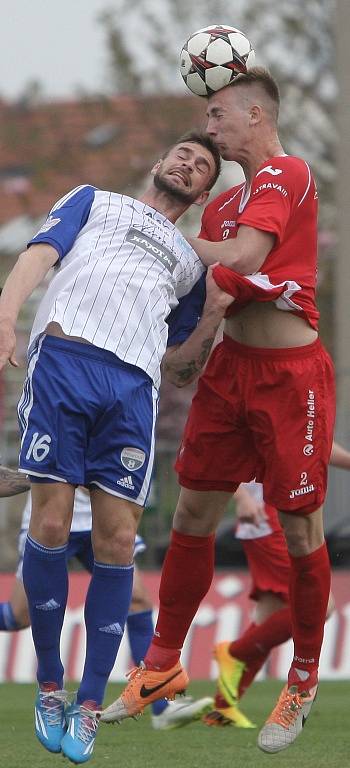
30	269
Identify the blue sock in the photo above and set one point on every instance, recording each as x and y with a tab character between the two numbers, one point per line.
45	580
8	622
106	609
140	631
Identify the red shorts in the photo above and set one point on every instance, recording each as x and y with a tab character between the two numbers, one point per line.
269	565
266	414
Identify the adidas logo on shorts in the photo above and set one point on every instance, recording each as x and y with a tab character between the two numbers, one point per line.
126	482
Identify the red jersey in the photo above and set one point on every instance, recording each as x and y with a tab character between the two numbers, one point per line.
282	200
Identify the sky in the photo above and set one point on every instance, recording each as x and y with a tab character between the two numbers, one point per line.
35	33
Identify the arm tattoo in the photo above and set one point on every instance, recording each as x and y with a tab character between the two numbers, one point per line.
192	367
12	482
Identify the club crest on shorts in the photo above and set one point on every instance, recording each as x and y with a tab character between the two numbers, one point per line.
132	458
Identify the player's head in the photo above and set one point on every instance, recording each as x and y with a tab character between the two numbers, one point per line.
189	168
245	110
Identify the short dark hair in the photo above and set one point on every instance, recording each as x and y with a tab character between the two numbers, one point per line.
260	76
204	140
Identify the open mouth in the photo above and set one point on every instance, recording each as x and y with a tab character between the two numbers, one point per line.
181	176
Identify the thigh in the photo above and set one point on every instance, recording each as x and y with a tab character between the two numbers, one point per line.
120	454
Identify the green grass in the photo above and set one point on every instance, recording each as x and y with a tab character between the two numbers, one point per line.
325	742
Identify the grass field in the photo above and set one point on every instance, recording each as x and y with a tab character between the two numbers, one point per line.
325	742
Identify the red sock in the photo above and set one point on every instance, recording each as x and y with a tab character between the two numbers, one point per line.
254	646
186	577
258	639
309	593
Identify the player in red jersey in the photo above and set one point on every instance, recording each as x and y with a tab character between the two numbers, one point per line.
266	401
264	544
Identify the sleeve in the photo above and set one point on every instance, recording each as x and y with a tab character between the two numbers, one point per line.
274	190
65	220
185	317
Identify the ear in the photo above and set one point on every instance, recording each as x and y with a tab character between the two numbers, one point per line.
202	198
156	167
255	114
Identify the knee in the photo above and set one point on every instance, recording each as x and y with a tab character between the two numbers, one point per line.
117	548
304	533
190	518
50	531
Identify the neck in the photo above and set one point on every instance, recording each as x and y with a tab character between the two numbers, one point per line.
254	160
164	203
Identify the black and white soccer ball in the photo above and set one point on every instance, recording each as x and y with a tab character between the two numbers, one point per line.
212	57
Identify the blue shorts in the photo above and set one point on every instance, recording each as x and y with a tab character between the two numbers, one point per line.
87	418
79	546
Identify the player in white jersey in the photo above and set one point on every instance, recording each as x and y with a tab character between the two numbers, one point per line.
88	409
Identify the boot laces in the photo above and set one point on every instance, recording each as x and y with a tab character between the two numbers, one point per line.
53	704
287	709
88	724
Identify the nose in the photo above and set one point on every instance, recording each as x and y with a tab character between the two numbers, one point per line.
188	165
210	129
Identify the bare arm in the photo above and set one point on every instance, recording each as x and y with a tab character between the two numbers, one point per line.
183	362
244	254
12	482
340	457
30	269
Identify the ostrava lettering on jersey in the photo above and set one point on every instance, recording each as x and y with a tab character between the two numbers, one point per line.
159	251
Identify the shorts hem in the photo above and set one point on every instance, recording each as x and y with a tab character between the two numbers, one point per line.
113	492
300	511
46	475
227	486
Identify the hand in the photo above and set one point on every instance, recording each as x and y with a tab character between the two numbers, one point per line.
216	296
248	510
7	344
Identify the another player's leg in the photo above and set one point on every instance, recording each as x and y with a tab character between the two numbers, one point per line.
309	594
165	714
45	581
14	614
186	577
106	610
240	661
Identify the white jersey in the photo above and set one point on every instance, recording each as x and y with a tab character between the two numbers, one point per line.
123	267
81	520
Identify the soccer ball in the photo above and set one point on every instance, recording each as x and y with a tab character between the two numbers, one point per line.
212	57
